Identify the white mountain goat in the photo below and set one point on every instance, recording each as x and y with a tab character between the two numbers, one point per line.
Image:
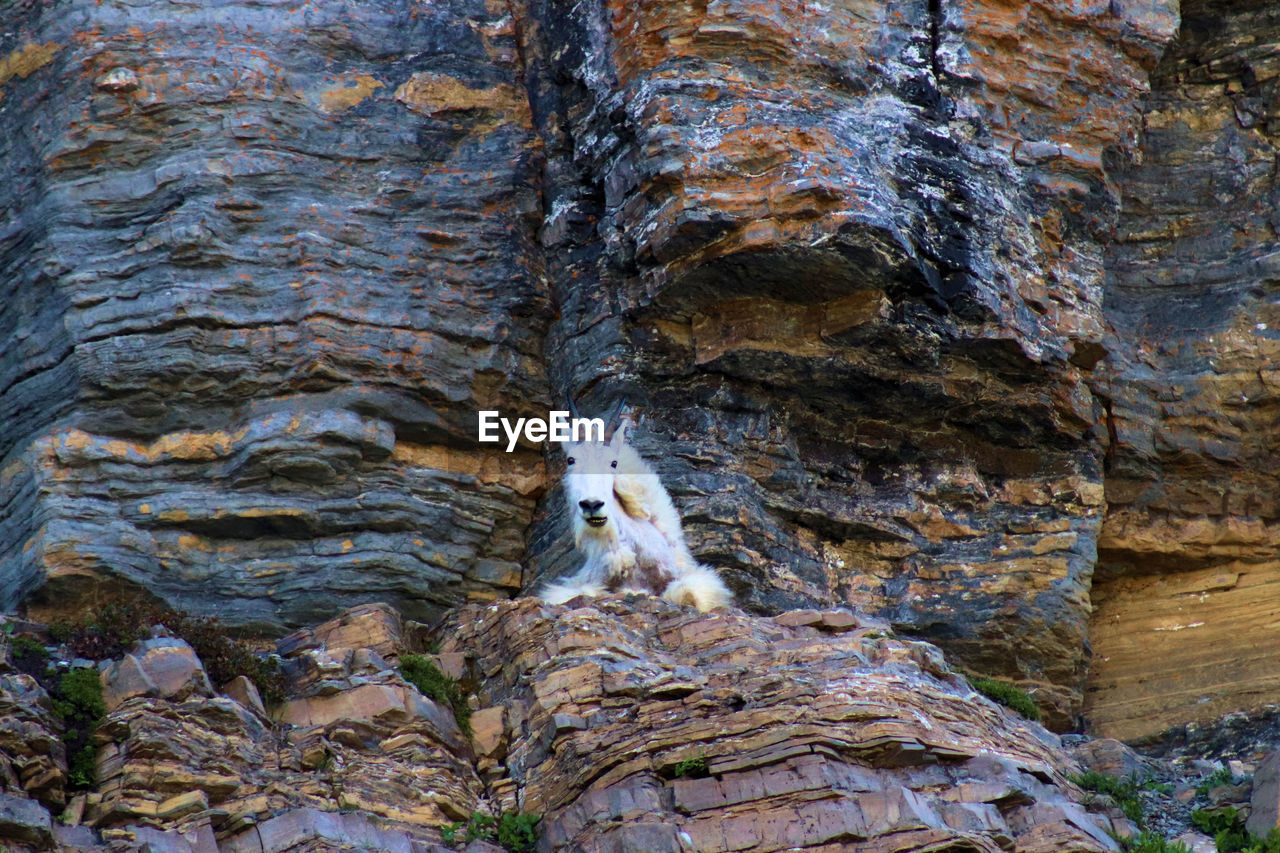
627	527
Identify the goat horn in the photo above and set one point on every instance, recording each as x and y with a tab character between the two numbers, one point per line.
615	415
573	408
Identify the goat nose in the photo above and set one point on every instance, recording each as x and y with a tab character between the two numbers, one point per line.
590	505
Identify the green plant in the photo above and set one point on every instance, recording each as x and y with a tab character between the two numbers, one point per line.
1006	694
1124	792
81	695
1270	844
28	656
1221	776
423	674
515	833
1229	833
77	699
692	767
1149	842
116	626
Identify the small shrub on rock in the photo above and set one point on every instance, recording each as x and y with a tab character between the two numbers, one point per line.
1124	792
423	674
515	833
1149	842
113	629
694	768
78	700
1007	695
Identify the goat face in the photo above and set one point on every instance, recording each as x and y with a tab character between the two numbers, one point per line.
588	484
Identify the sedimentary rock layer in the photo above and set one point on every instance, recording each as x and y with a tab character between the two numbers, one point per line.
849	262
636	725
262	263
265	263
631	725
1186	586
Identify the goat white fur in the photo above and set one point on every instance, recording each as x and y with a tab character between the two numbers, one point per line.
627	527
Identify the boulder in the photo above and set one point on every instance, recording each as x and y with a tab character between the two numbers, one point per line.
164	667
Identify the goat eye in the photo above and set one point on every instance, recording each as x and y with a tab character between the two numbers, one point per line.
613	464
570	460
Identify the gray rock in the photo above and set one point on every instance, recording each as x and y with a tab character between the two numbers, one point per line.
1264	813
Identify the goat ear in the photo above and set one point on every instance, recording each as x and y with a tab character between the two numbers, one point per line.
620	434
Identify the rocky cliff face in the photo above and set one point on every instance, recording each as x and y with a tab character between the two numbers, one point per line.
262	263
1186	582
931	308
631	726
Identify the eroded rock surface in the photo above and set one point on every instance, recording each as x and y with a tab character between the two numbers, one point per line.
261	265
851	263
265	263
627	725
1187	581
636	725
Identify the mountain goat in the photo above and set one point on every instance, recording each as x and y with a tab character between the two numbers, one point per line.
627	527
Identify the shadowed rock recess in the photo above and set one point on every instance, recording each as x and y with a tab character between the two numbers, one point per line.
958	314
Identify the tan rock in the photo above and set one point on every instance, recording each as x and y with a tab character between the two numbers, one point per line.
163	667
779	737
377	627
243	690
488	731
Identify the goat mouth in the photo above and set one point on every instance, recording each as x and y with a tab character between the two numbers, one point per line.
596	520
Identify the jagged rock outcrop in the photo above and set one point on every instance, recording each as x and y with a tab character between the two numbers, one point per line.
264	263
626	724
852	264
636	725
1186	587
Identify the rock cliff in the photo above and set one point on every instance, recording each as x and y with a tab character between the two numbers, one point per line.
1185	589
633	725
955	313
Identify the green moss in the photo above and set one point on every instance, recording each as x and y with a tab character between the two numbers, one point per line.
1124	792
434	684
1006	694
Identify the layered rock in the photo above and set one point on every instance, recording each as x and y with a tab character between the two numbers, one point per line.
1186	586
355	755
636	725
628	725
265	263
262	264
850	262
